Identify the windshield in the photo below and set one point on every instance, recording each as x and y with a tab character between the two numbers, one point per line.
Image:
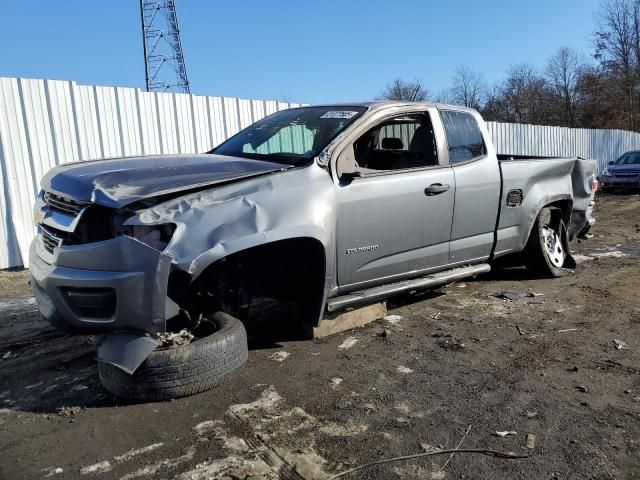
290	136
631	158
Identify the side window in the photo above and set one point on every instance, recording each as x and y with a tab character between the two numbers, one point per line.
463	136
405	141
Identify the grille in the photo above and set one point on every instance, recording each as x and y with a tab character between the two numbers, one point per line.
49	240
64	204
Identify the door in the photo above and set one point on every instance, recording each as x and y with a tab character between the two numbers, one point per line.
394	221
478	181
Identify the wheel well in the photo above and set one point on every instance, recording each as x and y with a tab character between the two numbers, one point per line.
565	206
290	270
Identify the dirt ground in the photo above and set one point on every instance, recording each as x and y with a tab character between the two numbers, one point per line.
563	367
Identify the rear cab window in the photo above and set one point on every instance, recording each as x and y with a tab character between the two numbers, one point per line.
464	137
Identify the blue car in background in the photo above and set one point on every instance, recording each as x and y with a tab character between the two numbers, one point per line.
622	173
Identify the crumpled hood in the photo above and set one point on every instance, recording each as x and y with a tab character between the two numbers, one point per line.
121	181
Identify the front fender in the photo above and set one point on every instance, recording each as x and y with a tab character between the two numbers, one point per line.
215	223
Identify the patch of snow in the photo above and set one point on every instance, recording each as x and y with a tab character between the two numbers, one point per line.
29	387
137	451
393	319
348	343
206	426
403	369
337	430
99	467
152	469
280	356
231	467
611	254
51	471
581	258
268	399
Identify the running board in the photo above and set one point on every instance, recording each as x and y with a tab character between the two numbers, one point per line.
375	294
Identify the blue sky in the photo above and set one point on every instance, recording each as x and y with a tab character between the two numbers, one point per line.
305	51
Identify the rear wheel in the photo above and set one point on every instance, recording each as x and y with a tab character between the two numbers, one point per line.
546	252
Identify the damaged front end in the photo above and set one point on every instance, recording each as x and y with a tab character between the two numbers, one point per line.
92	274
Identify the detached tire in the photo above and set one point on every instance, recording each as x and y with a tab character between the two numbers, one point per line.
184	370
546	252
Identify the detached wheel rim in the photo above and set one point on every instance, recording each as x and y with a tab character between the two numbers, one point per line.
553	246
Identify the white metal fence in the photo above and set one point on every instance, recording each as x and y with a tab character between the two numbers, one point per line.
44	123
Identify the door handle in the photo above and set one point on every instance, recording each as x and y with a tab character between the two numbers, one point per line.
435	189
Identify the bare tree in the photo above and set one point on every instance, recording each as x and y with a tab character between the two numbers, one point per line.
563	74
443	96
523	97
615	45
405	91
469	88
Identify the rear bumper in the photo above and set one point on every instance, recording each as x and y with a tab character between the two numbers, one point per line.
101	287
581	221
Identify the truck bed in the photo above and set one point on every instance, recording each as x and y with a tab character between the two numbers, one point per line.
545	181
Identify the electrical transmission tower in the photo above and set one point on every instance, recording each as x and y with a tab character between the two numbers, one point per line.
163	59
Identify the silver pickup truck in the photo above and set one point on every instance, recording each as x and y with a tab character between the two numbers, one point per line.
333	206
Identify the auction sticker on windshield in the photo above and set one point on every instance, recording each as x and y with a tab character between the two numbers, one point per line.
339	114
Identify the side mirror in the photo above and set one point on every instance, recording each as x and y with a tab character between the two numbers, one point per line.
611	162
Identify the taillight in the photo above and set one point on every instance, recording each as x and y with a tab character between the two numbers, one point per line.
594	184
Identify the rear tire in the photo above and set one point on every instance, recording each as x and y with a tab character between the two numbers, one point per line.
546	252
183	370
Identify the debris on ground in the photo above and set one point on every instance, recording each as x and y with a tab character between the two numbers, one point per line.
68	412
535	302
504	433
429	448
385	333
6	355
582	388
512	296
449	342
533	414
335	382
619	344
348	343
531	441
568	330
520	330
534	294
280	356
175	339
